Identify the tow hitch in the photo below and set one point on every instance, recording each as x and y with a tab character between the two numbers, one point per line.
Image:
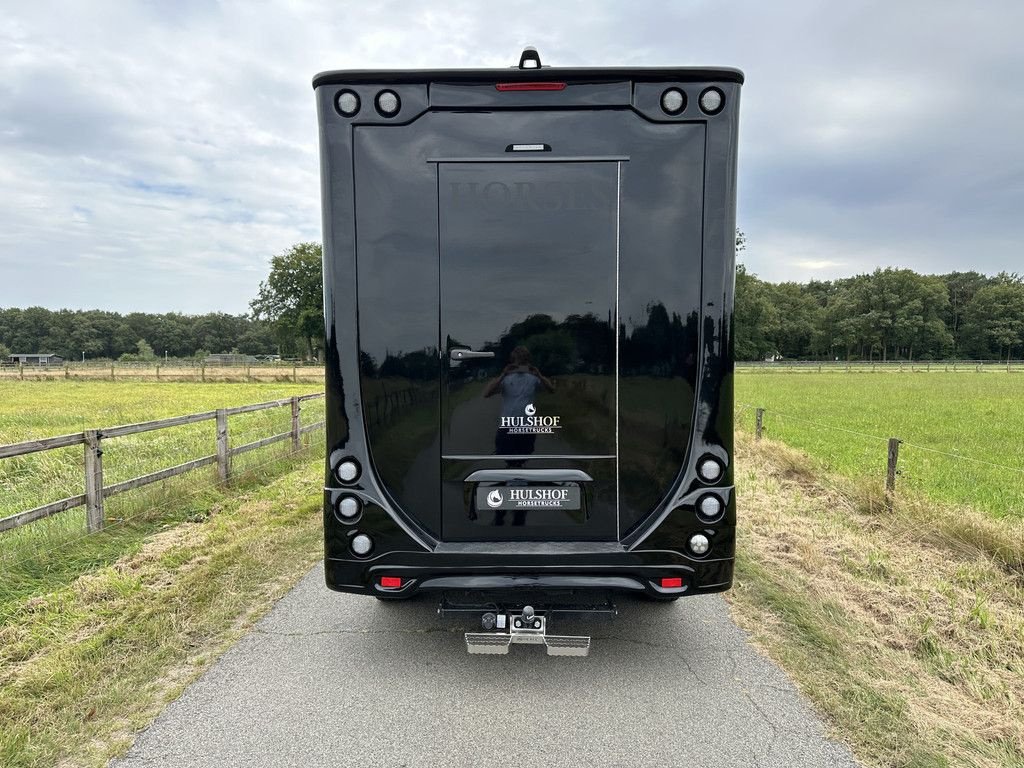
529	627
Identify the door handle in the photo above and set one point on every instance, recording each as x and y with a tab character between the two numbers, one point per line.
467	354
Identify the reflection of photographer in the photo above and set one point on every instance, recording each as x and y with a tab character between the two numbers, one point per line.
518	383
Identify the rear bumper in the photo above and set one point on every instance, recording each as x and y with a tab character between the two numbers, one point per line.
550	567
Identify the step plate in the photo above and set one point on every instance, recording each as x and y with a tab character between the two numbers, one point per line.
488	642
533	632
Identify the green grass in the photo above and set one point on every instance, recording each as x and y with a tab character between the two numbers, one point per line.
43	555
31	410
90	661
977	416
905	632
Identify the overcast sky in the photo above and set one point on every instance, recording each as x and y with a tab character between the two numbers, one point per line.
153	156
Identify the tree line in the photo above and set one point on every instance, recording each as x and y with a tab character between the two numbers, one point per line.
286	319
889	314
98	334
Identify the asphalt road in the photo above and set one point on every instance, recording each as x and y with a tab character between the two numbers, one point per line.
336	680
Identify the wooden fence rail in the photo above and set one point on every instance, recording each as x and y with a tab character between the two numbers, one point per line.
92	439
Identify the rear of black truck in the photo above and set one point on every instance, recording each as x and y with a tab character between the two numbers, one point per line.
528	282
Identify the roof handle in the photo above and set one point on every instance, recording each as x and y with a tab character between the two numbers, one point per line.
529	54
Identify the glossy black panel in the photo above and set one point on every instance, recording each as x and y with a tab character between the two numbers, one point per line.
418	421
659	297
528	256
397	272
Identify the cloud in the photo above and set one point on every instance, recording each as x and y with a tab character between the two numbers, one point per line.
154	156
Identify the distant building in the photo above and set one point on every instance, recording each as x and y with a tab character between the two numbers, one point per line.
38	358
227	358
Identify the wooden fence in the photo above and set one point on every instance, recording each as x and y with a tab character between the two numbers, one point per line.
93	440
173	371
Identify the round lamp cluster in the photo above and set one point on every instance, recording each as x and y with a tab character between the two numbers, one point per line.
387	103
699	544
673	101
711	101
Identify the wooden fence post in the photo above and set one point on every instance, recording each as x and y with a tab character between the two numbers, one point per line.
296	435
223	456
295	376
158	373
21	371
891	471
759	423
202	372
93	481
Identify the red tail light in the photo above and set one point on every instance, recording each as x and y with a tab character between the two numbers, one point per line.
391	582
530	86
671	582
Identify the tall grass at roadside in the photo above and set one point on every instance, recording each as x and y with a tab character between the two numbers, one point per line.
903	626
93	659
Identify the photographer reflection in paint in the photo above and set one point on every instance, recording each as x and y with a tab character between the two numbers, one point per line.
519	383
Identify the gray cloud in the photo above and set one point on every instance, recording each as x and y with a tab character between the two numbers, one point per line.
155	156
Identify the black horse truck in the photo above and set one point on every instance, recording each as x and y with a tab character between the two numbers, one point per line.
528	285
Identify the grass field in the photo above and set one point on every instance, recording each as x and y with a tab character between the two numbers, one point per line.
844	419
31	410
40	555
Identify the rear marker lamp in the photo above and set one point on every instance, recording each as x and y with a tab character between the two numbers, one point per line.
347	103
391	582
362	544
699	544
711	101
388	103
709	508
347	471
349	508
530	86
672	582
673	101
709	470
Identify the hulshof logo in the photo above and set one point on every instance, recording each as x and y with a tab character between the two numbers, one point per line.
538	497
530	497
531	423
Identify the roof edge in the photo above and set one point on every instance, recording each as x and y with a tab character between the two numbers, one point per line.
586	74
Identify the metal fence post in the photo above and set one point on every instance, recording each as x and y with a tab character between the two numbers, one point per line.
223	456
93	481
759	423
296	435
891	471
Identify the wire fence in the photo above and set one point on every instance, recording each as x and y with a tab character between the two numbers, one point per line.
880	366
938	472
